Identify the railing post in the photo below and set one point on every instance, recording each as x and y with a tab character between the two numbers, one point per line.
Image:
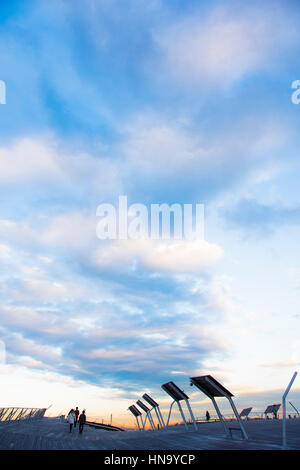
284	410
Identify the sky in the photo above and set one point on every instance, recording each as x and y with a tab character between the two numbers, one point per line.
163	101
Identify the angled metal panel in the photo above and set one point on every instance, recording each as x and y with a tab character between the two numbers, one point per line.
143	406
150	400
134	410
245	412
174	391
210	386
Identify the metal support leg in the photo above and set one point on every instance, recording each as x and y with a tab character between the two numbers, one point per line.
161	423
289	403
150	419
23	414
19	415
138	424
161	417
143	422
170	412
238	418
153	419
10	415
284	410
182	414
192	415
220	416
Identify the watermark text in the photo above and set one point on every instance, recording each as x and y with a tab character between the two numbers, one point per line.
162	221
2	92
296	94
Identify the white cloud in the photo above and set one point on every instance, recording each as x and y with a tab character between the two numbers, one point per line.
17	233
74	230
45	290
27	347
25	160
224	46
279	364
27	319
170	256
110	354
4	252
159	147
35	160
20	317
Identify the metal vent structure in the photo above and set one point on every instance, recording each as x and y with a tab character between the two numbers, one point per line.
245	413
272	409
213	389
138	415
17	414
155	407
178	395
148	414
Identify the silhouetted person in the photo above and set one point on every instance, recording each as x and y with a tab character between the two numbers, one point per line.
76	416
82	420
207	416
71	418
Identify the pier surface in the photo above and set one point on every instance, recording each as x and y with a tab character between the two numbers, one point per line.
52	434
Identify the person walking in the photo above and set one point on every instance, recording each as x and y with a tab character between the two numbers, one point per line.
76	416
82	421
207	416
71	418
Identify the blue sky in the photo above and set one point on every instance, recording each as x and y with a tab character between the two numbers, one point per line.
162	101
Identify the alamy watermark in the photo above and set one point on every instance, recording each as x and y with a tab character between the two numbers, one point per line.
296	94
162	221
2	92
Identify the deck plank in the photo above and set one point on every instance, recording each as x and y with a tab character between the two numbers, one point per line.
52	434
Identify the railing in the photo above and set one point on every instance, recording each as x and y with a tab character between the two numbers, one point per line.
255	415
8	415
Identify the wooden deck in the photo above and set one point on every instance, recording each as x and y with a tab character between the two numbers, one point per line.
51	434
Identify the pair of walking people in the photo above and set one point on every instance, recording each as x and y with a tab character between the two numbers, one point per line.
74	417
